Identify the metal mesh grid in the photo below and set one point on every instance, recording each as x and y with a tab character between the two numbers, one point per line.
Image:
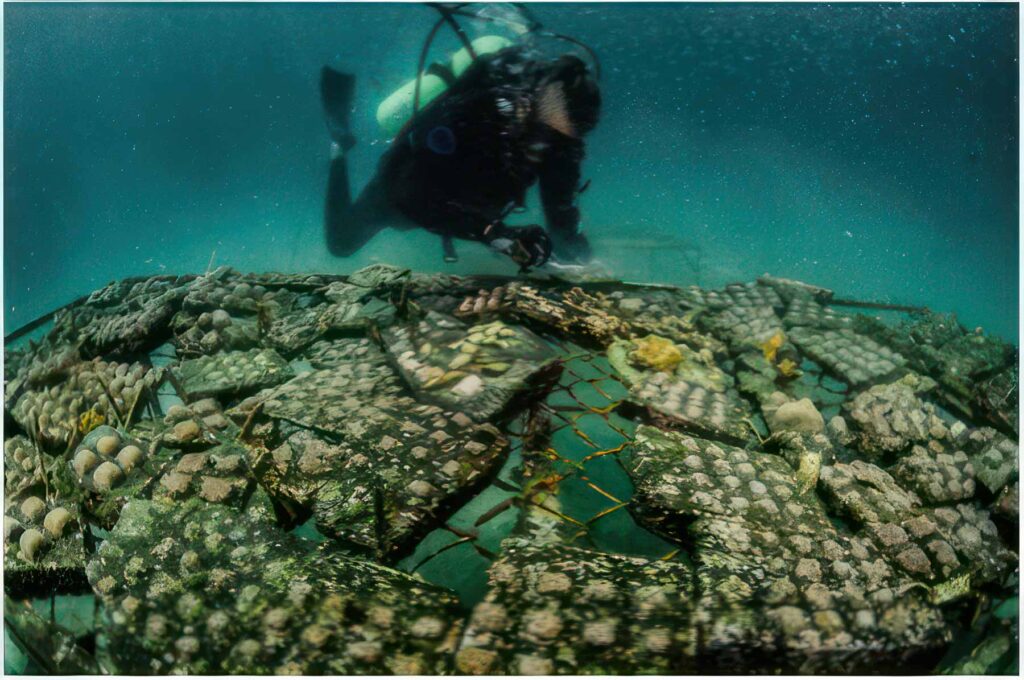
576	458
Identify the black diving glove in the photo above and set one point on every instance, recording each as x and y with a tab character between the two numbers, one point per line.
527	246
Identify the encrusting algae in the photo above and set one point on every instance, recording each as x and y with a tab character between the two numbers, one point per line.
771	346
90	420
656	352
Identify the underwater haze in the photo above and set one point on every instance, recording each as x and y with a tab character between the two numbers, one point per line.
868	148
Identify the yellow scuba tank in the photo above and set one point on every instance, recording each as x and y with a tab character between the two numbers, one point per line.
396	110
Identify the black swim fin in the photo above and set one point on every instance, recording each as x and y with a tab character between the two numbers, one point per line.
337	91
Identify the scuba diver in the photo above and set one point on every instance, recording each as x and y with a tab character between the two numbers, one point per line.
500	119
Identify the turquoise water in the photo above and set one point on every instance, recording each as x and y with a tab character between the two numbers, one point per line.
868	148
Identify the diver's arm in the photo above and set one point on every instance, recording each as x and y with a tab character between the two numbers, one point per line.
559	176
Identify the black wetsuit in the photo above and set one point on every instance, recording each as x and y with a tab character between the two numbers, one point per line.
466	160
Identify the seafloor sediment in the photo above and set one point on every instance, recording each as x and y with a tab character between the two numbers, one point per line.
735	480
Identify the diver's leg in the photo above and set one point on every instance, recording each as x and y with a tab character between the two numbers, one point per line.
448	249
347	226
338	208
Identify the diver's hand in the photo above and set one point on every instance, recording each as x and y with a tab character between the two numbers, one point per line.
531	247
527	246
